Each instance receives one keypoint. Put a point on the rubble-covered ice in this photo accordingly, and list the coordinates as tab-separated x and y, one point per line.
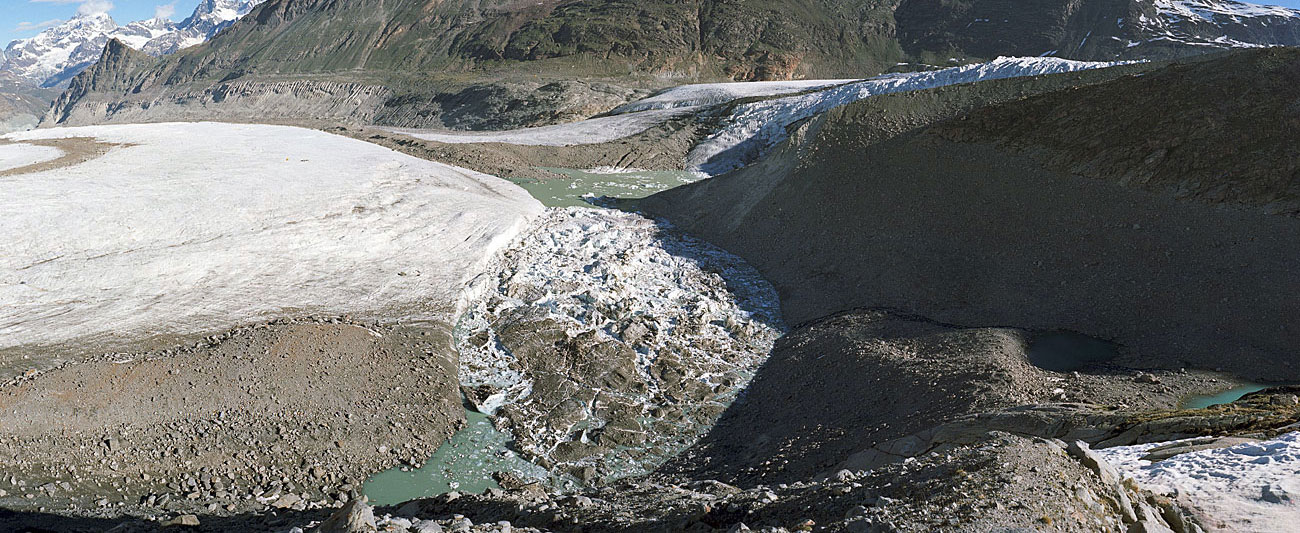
1248	487
608	342
753	128
189	228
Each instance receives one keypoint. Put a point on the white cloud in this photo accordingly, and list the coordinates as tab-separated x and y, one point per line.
164	11
87	7
94	7
24	27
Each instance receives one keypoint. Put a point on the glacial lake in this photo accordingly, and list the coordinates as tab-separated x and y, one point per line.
577	185
465	463
1065	351
1228	396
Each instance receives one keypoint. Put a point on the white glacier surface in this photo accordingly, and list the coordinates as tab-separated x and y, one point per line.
753	128
1248	487
19	155
188	228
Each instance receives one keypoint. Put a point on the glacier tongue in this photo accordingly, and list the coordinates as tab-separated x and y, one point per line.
751	129
189	228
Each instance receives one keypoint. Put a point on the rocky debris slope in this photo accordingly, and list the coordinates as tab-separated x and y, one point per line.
872	377
660	146
870	206
607	343
288	415
1241	152
1261	416
1005	482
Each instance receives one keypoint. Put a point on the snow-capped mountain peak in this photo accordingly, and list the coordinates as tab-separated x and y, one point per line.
57	54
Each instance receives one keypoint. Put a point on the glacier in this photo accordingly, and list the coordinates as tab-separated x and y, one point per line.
189	228
18	155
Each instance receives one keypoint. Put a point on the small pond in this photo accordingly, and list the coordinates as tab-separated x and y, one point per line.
570	192
1064	351
1228	396
464	463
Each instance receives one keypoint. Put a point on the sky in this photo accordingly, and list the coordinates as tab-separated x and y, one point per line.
20	19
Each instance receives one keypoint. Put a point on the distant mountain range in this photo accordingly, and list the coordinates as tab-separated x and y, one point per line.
55	55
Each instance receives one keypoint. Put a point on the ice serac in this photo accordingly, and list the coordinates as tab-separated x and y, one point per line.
168	234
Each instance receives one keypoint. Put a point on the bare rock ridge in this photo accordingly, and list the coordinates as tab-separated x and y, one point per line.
1035	231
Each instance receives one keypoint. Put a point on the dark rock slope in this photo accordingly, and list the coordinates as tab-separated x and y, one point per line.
1068	210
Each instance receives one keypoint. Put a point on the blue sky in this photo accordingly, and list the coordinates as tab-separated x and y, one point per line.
24	18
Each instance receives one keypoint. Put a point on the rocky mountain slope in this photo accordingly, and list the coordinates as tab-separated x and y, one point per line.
422	63
1033	214
21	106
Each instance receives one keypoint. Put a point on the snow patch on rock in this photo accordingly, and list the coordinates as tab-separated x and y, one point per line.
1247	487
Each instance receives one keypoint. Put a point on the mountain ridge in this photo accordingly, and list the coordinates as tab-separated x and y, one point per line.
419	61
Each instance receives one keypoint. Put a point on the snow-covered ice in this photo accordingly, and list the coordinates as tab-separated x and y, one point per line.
19	155
707	94
1251	487
590	131
187	228
754	128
